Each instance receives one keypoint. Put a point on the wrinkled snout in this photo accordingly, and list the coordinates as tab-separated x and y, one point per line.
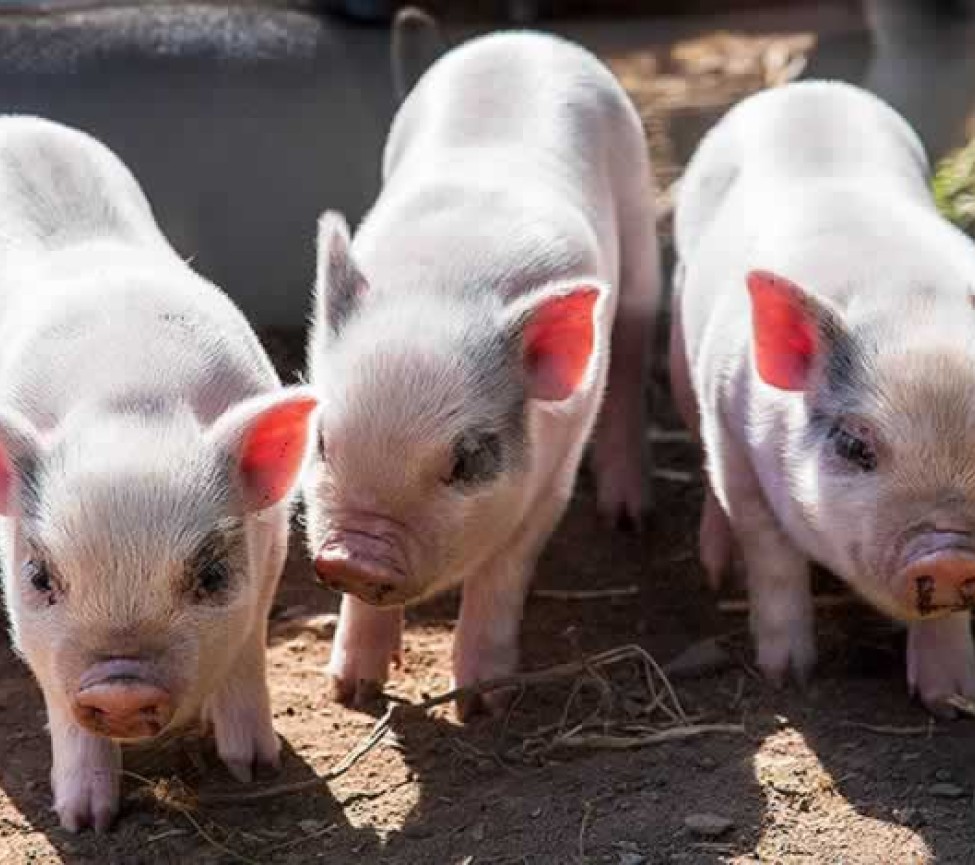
369	564
938	574
119	699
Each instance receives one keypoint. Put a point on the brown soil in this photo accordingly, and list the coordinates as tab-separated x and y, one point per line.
848	772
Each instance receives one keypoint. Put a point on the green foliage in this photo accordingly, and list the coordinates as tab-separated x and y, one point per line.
954	187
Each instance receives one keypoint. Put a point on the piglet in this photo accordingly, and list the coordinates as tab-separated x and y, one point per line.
823	345
462	345
147	453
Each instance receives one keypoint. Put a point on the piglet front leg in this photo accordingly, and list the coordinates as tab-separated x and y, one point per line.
941	661
778	574
240	712
367	641
486	640
86	772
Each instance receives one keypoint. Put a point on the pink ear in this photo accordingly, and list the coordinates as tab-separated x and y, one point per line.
559	335
21	448
272	449
785	330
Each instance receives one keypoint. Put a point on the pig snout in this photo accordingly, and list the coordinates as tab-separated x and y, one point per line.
120	699
937	575
368	563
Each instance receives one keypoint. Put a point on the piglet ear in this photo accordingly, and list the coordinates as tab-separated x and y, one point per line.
20	454
266	439
559	334
339	286
789	328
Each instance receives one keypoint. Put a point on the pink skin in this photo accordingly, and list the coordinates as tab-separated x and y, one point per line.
119	698
367	642
716	543
240	710
938	573
940	661
240	713
366	560
778	574
619	447
86	771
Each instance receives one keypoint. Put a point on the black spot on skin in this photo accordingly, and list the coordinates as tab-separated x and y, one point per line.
925	595
966	594
344	288
478	458
209	571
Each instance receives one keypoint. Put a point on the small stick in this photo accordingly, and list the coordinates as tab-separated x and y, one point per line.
627	743
821	602
885	730
294	842
962	704
674	476
585	594
669	436
587	810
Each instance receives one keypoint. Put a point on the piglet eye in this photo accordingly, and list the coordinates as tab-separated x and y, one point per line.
39	576
855	447
212	578
476	458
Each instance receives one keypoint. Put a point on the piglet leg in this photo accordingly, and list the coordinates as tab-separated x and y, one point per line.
367	641
778	574
86	772
620	449
941	661
240	712
486	639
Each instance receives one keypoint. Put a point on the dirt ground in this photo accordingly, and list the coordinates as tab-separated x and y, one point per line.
847	772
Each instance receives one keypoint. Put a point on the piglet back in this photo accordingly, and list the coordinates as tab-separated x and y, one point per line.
59	186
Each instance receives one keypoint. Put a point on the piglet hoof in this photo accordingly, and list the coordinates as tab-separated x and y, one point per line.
89	806
87	801
941	663
85	778
245	770
495	704
786	652
620	501
361	694
247	743
716	542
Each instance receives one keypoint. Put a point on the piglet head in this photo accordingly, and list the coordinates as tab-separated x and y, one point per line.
881	442
428	427
134	559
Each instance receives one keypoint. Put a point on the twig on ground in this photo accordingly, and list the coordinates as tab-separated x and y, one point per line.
213	842
586	594
675	476
963	705
669	436
885	730
606	742
295	842
820	602
586	812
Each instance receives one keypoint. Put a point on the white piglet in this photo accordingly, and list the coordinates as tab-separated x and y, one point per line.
824	345
147	452
462	345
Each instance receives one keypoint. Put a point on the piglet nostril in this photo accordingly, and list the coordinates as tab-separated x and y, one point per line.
940	582
123	709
